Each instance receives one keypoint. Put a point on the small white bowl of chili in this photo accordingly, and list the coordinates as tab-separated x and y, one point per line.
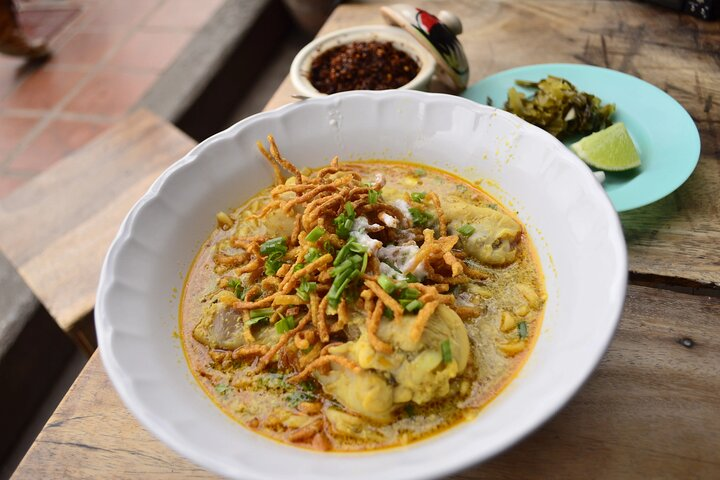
371	57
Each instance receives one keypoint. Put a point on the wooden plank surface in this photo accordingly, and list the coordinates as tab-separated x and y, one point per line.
676	237
57	228
649	411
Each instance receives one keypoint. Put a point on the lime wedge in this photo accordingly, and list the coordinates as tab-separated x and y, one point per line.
610	149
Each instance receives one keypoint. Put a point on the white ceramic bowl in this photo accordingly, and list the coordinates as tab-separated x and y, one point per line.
570	219
400	39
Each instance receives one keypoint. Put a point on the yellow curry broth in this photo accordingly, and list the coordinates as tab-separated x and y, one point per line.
270	402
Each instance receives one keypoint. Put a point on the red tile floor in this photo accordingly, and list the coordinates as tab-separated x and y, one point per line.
107	53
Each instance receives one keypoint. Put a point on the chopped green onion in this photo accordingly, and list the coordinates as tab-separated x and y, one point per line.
352	275
259	314
277	244
237	287
273	262
350	263
315	234
305	288
386	284
271	268
356	247
373	196
344	268
418	196
466	230
420	217
340	229
299	266
522	330
334	293
312	255
388	313
334	301
410	294
344	221
446	351
339	284
346	265
414	306
420	172
275	250
350	246
285	324
410	278
342	254
343	226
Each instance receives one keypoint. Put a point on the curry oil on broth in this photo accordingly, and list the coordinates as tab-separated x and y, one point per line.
499	370
511	296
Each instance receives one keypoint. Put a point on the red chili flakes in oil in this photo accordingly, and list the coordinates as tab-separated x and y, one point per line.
362	66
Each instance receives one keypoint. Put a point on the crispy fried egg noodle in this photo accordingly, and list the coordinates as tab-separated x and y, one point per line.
349	308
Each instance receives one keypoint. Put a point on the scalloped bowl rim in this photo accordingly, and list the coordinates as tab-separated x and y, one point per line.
421	465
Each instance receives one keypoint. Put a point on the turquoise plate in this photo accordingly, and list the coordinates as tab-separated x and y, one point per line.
665	134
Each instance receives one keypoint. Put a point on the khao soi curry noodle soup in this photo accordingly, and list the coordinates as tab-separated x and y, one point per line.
361	305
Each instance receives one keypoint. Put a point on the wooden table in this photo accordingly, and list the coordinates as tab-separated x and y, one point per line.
57	228
651	410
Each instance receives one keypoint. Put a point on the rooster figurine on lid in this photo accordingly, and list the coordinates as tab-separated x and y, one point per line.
438	35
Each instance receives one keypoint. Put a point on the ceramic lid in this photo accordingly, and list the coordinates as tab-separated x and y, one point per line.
438	35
